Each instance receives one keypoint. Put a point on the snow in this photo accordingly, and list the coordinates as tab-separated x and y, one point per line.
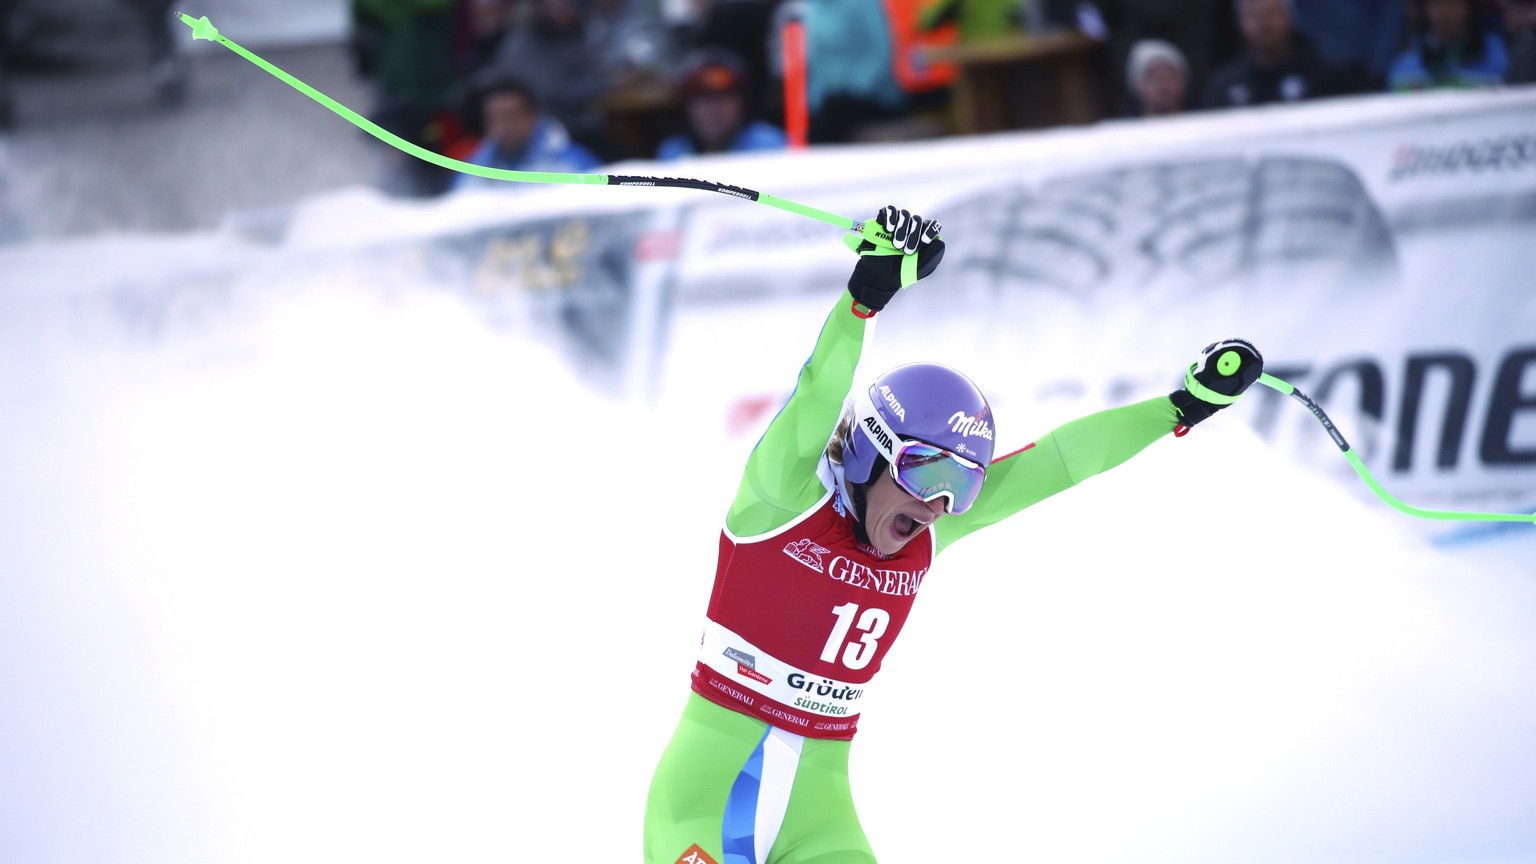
337	576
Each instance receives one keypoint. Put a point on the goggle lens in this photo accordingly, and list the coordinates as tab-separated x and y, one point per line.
926	472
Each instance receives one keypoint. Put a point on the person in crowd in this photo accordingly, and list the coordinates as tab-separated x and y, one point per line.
1519	19
633	40
1453	46
1279	63
519	136
1366	35
405	49
716	92
843	507
482	25
1157	79
554	53
849	90
746	29
977	19
1187	25
1520	32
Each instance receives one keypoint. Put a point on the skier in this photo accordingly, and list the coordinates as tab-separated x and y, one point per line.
823	552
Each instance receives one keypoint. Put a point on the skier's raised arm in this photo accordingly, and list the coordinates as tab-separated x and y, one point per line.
780	479
1081	448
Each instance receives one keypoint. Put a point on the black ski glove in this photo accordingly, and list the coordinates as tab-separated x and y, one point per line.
1217	377
895	249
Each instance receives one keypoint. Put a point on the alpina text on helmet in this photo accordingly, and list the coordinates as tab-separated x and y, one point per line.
876	431
893	402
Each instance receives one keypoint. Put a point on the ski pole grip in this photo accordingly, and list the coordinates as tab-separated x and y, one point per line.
1274	383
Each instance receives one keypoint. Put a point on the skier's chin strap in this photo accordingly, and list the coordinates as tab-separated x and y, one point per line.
856	504
854	494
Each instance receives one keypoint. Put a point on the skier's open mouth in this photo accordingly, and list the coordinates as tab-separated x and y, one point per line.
906	526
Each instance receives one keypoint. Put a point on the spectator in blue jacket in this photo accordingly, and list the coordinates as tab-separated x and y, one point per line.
719	116
557	50
1363	34
519	136
1453	46
851	85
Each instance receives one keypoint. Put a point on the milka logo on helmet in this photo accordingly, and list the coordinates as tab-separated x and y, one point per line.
807	553
964	424
892	402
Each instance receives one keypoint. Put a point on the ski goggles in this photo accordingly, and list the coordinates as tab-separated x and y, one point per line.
925	471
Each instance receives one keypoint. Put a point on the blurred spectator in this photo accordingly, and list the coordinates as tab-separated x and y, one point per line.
1187	25
1520	30
849	90
979	19
482	25
554	54
519	136
1363	34
405	47
913	34
1519	19
1279	63
1452	46
1157	78
714	87
744	28
632	39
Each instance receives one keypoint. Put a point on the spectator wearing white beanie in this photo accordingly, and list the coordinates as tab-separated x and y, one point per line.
1157	79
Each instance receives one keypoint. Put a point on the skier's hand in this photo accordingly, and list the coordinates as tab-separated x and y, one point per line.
896	248
1217	377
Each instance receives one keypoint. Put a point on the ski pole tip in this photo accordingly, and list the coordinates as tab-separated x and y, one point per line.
202	28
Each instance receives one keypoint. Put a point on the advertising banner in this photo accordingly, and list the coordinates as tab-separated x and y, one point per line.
1378	250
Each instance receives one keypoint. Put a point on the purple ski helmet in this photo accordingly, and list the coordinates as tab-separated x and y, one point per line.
928	403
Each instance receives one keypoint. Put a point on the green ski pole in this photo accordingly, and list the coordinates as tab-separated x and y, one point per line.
202	28
1360	469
